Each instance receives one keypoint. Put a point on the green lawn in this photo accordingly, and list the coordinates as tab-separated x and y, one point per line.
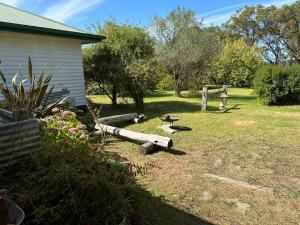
255	143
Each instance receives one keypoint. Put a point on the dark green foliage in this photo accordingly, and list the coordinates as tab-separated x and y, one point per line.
71	182
167	82
92	88
278	85
123	64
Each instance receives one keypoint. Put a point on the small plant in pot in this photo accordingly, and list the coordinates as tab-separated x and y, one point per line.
30	103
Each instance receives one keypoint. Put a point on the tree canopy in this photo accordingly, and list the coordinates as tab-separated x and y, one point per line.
275	30
236	64
120	64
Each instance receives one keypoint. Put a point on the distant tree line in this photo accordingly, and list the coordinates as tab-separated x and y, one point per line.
181	54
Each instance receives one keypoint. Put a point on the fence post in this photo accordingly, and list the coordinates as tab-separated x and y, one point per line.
204	99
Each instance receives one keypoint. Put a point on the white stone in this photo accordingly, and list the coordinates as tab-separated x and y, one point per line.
207	196
218	162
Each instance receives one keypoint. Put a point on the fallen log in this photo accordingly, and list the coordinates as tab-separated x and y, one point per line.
240	183
148	148
118	118
164	142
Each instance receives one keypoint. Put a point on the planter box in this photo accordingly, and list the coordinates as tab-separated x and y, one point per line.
6	113
18	140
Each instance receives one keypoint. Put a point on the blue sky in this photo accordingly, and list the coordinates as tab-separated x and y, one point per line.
80	13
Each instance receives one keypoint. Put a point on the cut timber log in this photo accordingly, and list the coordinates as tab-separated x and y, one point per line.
147	148
240	183
164	142
118	118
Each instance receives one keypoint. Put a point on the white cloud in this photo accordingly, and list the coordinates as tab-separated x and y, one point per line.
68	8
217	19
224	9
11	2
279	3
221	15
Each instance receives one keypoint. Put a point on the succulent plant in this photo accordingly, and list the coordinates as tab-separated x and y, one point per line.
32	102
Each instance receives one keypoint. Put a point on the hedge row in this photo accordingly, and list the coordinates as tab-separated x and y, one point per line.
278	85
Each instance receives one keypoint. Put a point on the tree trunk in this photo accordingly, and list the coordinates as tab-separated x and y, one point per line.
139	102
177	92
114	95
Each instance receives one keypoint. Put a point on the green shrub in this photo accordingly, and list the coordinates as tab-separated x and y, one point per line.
72	181
166	84
278	85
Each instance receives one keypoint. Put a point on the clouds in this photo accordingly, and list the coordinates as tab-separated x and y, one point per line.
221	15
65	10
11	2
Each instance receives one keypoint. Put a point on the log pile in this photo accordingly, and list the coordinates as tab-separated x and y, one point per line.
150	142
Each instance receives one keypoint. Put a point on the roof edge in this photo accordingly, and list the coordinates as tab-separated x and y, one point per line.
20	28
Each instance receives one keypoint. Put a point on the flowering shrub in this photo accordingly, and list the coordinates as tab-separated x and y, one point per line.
65	124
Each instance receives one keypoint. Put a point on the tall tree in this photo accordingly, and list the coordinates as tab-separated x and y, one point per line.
289	29
184	48
103	66
275	30
121	61
174	24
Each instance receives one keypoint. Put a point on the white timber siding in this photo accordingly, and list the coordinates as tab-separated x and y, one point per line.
61	56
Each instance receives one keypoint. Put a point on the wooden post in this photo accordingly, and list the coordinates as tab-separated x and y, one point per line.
204	98
225	89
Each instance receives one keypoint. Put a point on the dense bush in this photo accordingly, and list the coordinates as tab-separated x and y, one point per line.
277	85
71	181
166	83
236	65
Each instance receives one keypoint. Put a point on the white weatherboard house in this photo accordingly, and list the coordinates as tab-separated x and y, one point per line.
24	34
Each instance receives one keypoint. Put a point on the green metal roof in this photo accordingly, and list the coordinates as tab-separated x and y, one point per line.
16	20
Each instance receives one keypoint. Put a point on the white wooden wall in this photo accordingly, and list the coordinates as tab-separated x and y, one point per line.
62	56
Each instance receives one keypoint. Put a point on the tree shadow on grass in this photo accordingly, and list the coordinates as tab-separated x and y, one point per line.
152	109
156	210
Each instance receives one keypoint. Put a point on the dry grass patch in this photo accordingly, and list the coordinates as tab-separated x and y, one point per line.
245	123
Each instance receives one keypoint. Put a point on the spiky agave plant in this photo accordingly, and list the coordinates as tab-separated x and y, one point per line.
31	103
